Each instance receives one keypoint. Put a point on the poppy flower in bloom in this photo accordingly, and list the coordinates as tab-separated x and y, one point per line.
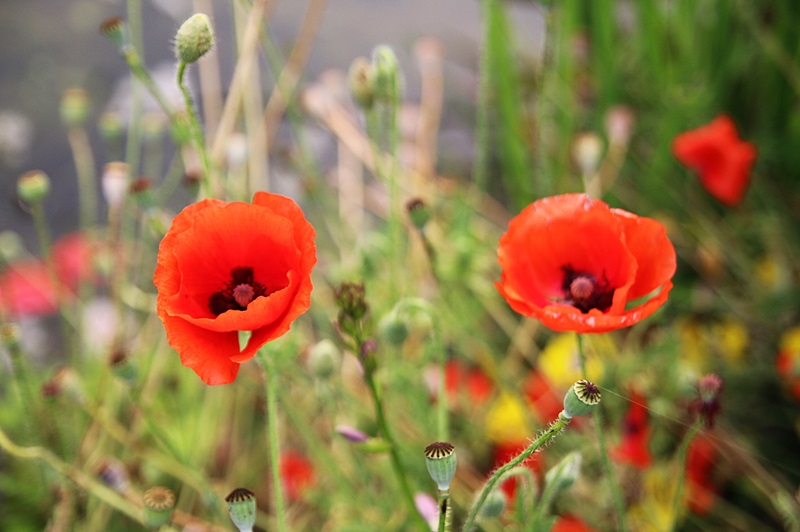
297	474
577	265
701	492
635	446
569	523
229	267
788	360
722	159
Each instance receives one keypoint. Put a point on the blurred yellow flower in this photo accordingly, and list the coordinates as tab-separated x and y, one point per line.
726	338
560	363
653	512
507	420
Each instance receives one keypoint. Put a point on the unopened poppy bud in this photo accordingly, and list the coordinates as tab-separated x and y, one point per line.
33	187
115	30
707	406
115	183
142	191
111	126
351	434
366	354
194	39
386	72
565	473
351	299
360	79
393	329
242	508
493	505
158	505
324	358
587	149
418	213
440	459
581	398
122	366
74	107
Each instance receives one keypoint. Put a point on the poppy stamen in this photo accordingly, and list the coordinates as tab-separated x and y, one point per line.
238	292
581	288
585	292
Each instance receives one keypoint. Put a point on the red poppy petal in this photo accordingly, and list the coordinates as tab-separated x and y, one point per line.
26	289
572	231
206	352
655	256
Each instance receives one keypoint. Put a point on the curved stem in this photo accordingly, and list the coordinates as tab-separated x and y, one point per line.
613	486
553	430
196	129
273	440
682	452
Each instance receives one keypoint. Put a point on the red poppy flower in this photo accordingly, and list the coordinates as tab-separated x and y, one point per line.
230	267
297	474
722	159
577	265
635	446
568	523
478	387
701	493
26	288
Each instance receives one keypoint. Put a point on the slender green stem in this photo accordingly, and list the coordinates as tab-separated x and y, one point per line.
613	486
553	430
677	501
196	128
272	438
445	512
397	464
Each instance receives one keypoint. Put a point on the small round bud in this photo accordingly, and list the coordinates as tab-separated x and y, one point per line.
33	187
565	473
122	366
111	126
242	508
115	183
440	459
324	359
393	329
158	505
587	149
494	504
74	107
194	39
386	72
418	213
115	30
360	80
141	189
581	398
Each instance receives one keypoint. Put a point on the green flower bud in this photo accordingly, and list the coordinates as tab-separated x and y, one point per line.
360	80
74	107
115	30
418	212
158	505
581	398
111	126
386	85
324	359
242	508
565	473
194	39
493	505
440	459
33	187
393	329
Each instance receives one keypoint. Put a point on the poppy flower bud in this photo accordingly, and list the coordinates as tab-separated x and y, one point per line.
142	191
393	329
494	504
324	358
581	398
366	354
74	107
115	30
115	183
707	405
158	505
33	187
418	212
242	508
122	366
194	39
565	473
360	80
110	126
386	84
350	297
440	459
587	150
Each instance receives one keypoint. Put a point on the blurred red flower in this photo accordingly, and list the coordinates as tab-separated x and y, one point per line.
471	381
788	360
25	285
577	265
722	159
297	474
701	493
230	267
568	523
634	449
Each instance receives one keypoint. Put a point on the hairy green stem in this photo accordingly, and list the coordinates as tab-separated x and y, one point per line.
445	512
273	439
553	430
613	486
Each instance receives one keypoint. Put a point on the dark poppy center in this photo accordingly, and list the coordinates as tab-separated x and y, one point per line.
237	292
584	291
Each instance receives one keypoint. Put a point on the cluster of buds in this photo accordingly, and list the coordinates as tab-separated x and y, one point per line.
377	80
354	322
707	406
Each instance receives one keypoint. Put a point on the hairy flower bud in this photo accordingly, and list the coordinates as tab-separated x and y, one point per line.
33	187
360	79
194	39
